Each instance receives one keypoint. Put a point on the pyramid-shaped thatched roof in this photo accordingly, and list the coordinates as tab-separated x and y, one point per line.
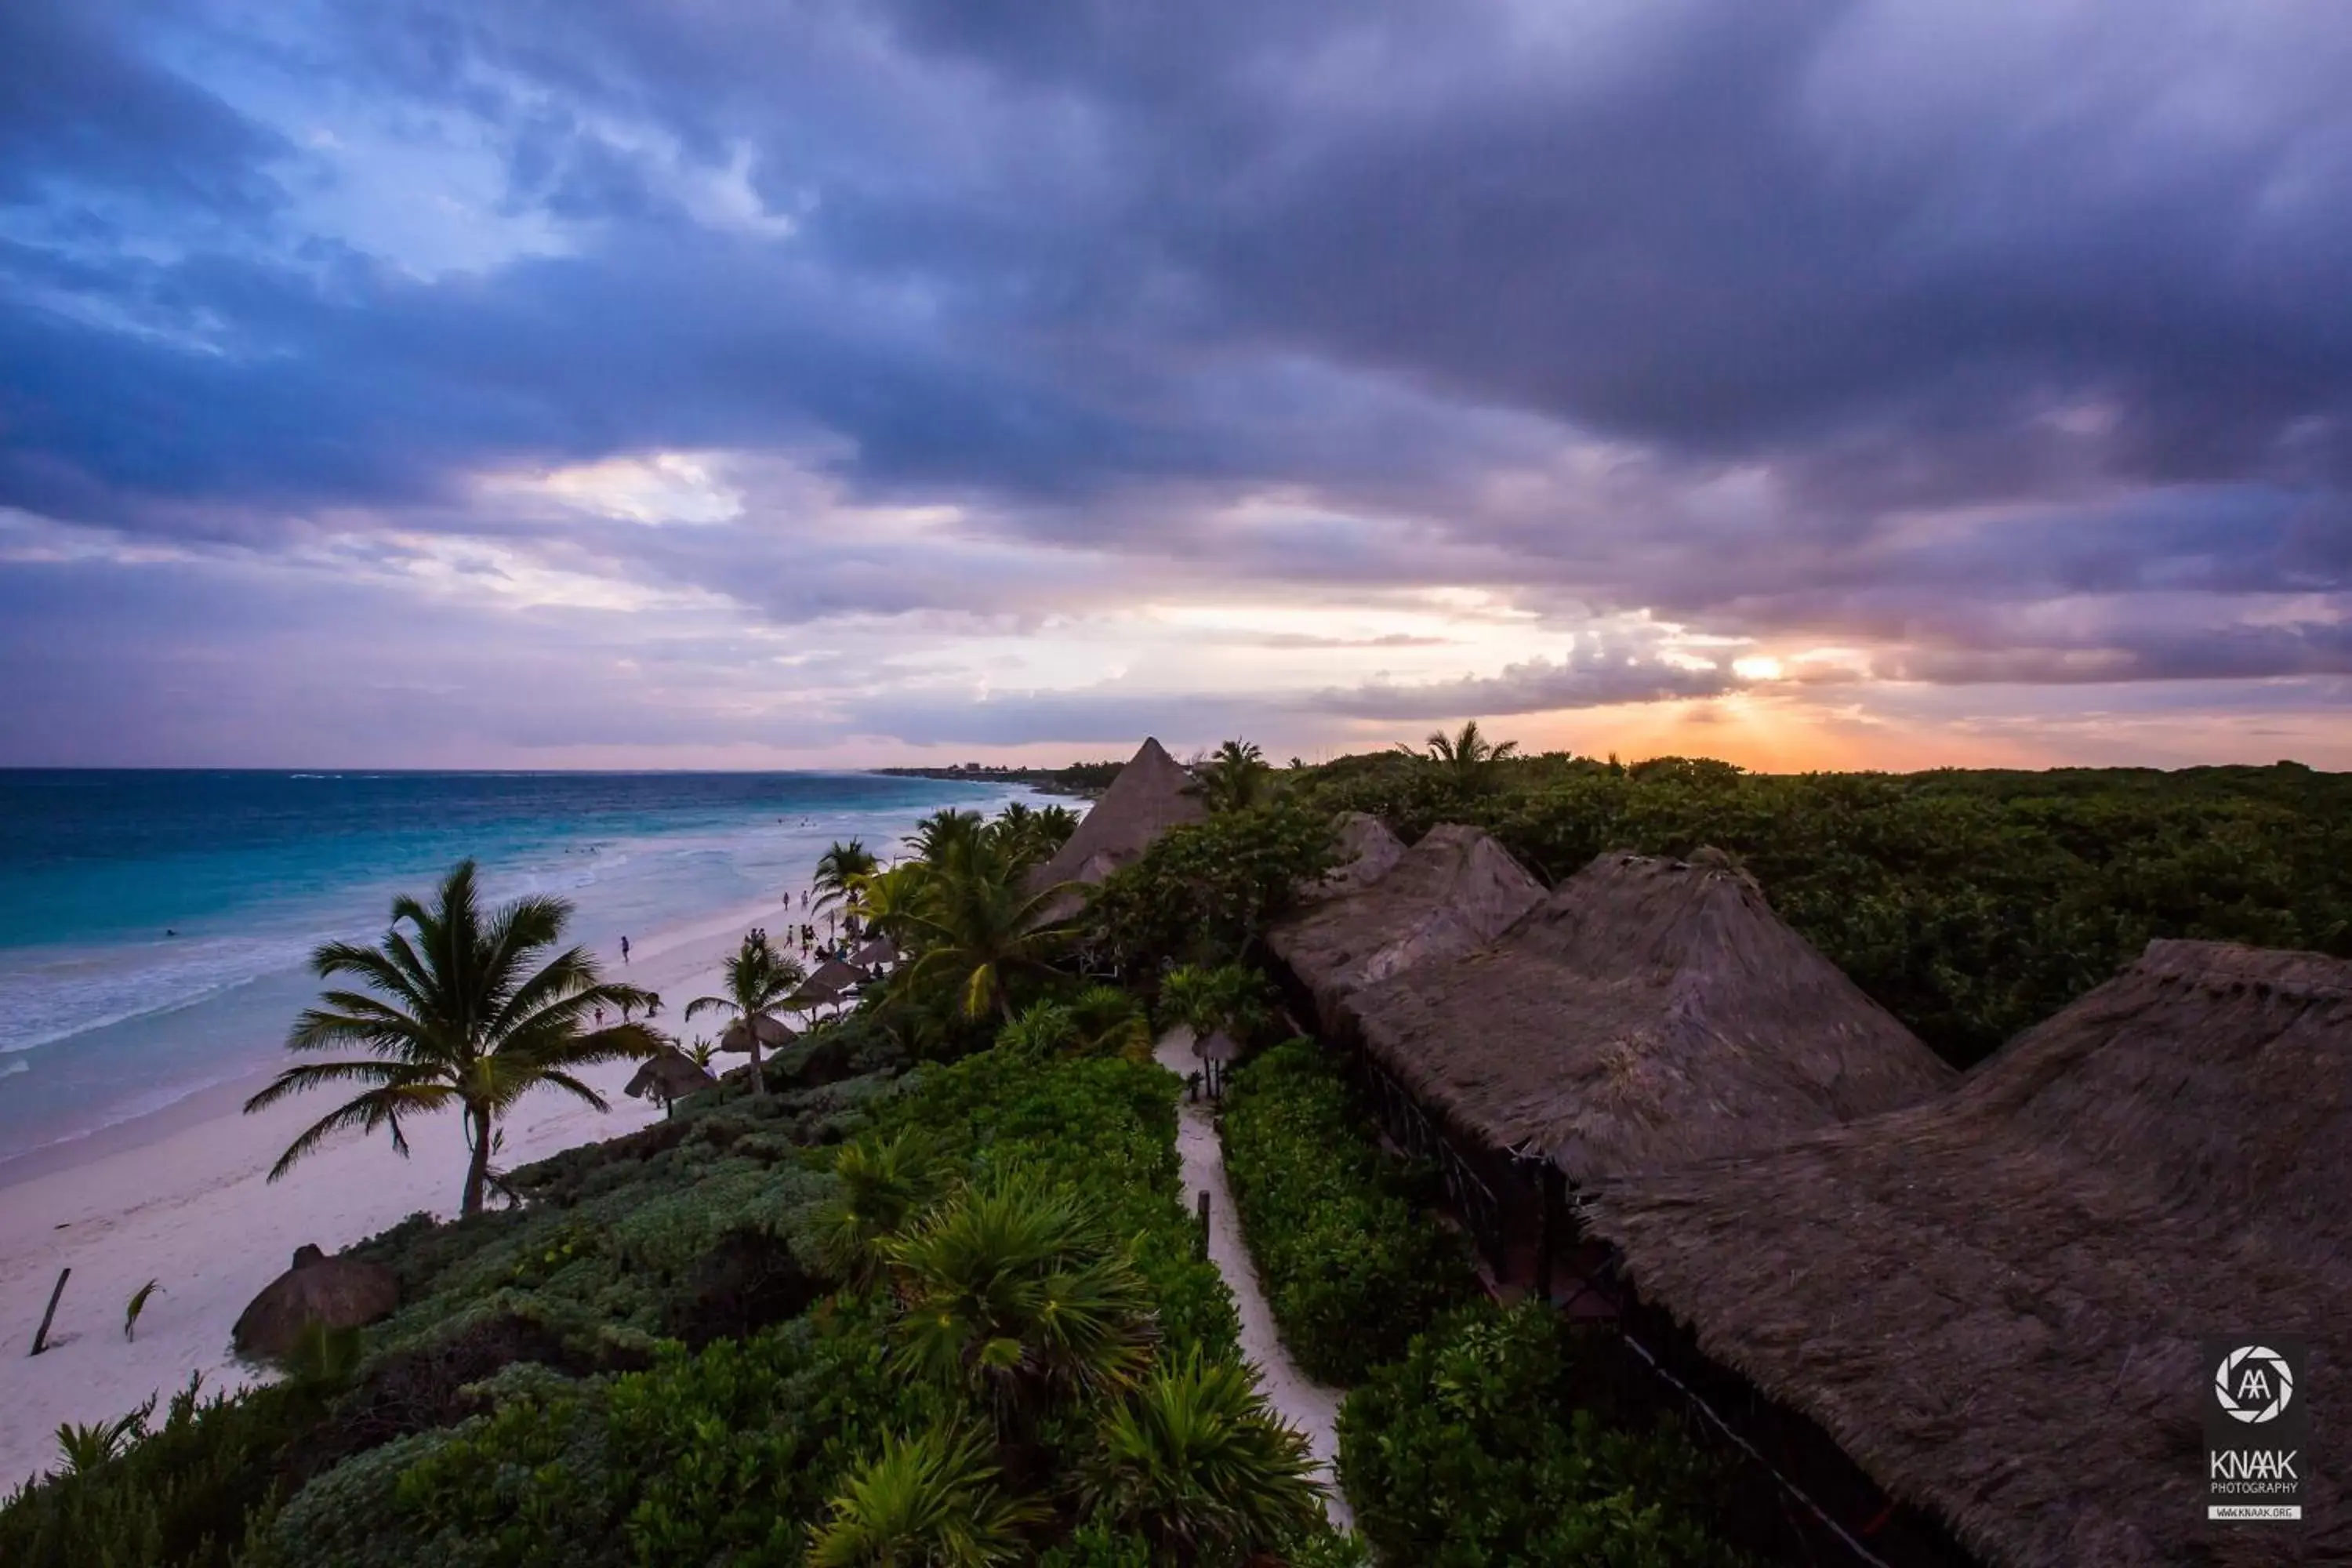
1649	1012
1151	794
1455	889
1366	851
1993	1301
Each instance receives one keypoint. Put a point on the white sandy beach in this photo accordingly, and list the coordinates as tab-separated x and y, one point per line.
193	1209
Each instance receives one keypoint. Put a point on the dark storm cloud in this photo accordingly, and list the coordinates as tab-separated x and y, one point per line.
1781	319
79	103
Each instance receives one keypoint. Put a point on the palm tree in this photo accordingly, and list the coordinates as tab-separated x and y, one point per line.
1235	778
466	1013
837	871
978	930
1198	1463
1467	757
884	900
1110	1023
945	835
1012	1291
928	1501
758	981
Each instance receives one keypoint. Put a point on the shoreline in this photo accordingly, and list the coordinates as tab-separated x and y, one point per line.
181	1196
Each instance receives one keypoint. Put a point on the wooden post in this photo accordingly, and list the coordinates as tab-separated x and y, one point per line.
1547	1235
1204	1222
41	1340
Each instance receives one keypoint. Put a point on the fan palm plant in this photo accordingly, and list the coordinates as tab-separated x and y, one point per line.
1197	1462
931	1500
760	980
469	1010
1012	1292
884	1183
1231	997
838	870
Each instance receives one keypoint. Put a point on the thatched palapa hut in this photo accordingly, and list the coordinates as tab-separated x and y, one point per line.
328	1292
1993	1301
1455	890
772	1033
1151	794
1367	851
1649	1012
670	1075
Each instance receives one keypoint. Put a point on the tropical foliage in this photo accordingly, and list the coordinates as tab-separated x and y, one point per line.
1236	778
838	871
1467	759
1352	1269
1484	1446
760	982
1202	894
464	1009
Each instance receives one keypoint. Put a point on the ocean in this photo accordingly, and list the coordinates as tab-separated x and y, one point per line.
154	925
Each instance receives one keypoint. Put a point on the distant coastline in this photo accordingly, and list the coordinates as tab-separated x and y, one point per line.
1085	780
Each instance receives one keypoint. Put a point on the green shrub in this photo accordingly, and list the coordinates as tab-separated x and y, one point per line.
1351	1269
184	1493
1202	894
1474	1449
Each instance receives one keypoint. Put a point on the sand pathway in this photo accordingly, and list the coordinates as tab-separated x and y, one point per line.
1304	1403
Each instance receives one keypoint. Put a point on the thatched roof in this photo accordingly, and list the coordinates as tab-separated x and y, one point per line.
1993	1301
668	1074
1367	852
1151	794
773	1032
833	977
1649	1012
1455	889
336	1292
877	950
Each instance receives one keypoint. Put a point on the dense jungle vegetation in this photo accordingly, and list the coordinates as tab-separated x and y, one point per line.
919	1287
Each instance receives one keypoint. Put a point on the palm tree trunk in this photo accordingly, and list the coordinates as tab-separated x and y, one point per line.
759	1076
478	1165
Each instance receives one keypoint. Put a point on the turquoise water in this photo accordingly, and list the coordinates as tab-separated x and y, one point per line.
154	924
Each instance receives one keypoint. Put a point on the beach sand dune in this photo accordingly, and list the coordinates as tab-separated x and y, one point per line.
193	1209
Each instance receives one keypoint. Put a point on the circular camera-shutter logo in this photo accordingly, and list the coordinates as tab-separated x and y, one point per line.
2254	1384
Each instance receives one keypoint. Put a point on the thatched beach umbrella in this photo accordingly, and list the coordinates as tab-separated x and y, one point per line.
1993	1300
878	951
668	1075
1151	794
1455	890
771	1032
835	977
332	1292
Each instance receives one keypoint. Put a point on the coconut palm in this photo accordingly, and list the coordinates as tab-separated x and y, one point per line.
1468	757
944	835
1198	1463
885	900
837	871
931	1500
1014	1291
1235	778
978	930
760	980
469	1010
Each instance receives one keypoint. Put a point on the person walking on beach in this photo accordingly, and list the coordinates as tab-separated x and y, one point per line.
625	950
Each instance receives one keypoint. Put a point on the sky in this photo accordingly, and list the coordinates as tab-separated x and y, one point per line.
762	383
